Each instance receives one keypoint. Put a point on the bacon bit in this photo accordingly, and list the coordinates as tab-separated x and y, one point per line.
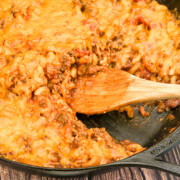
143	112
149	45
91	25
81	53
69	129
161	25
153	26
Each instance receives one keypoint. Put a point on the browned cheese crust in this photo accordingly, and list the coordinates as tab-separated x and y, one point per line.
46	45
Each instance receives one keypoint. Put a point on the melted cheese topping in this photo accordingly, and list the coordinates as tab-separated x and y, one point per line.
46	45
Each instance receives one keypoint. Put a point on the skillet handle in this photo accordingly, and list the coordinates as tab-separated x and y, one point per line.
151	157
154	163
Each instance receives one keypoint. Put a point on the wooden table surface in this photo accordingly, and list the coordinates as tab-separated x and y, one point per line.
125	173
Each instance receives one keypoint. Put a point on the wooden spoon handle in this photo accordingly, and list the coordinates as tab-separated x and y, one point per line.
138	90
144	90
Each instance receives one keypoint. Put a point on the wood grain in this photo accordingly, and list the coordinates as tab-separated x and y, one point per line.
125	173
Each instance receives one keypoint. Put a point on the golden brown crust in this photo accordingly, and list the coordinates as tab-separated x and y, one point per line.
45	45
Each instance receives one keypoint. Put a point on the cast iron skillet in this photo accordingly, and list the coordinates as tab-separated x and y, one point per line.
152	132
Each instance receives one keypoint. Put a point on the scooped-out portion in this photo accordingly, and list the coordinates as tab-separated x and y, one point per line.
46	45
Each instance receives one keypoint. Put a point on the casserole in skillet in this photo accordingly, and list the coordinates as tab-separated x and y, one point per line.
46	45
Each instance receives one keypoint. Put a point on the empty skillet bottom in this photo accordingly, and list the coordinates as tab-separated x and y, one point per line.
146	131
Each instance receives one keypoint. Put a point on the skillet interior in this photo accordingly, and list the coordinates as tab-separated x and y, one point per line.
146	131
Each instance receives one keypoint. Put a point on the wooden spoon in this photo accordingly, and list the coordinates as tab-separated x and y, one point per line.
111	89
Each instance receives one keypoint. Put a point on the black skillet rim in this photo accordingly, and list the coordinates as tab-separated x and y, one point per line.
153	152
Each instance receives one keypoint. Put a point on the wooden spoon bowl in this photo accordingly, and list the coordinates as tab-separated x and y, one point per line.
111	89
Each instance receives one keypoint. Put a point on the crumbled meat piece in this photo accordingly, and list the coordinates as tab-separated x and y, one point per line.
144	73
171	117
161	106
143	112
129	110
